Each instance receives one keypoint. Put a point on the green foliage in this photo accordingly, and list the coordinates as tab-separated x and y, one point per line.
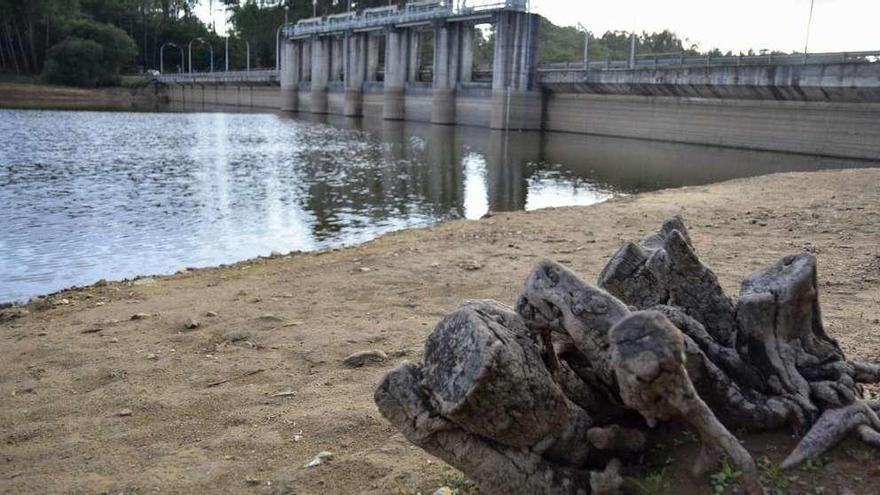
655	483
75	62
459	483
724	479
119	49
773	478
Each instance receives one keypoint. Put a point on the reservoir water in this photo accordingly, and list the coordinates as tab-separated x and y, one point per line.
92	195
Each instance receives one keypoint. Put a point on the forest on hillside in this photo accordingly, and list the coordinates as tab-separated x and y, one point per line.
93	42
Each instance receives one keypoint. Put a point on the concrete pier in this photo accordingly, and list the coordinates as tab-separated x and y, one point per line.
355	74
290	76
395	75
321	48
517	104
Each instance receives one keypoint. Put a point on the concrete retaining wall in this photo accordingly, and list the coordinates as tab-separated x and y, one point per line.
832	129
840	129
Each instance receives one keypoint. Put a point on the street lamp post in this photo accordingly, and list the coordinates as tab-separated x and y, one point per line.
248	55
586	46
210	49
162	55
809	24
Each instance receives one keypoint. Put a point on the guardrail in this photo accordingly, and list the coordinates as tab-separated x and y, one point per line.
253	76
648	61
413	12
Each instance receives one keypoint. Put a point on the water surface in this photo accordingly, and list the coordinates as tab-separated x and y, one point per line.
91	195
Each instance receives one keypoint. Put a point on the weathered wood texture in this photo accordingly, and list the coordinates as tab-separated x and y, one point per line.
547	398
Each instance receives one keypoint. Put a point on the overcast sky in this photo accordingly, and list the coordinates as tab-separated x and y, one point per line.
736	25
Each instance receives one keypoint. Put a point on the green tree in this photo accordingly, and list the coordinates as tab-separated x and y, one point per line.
75	62
119	50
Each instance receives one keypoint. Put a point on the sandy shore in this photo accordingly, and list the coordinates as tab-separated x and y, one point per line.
37	96
95	401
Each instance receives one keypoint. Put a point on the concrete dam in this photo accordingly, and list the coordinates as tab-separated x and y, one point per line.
370	64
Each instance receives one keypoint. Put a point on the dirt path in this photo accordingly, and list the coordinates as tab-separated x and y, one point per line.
77	364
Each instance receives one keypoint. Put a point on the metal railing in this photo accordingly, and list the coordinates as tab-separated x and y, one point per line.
648	61
252	76
413	12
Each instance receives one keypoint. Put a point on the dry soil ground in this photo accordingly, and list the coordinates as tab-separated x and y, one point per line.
95	401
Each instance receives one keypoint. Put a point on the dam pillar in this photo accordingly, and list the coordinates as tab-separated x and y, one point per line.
337	57
290	76
446	63
517	104
395	75
320	73
414	48
466	66
355	74
372	57
306	62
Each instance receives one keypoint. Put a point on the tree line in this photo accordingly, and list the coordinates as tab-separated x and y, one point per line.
92	42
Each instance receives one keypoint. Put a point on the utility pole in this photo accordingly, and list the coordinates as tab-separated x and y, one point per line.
809	24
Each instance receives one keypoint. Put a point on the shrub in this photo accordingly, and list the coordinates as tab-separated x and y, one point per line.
119	49
75	62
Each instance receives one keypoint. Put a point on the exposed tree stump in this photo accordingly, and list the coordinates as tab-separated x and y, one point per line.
548	398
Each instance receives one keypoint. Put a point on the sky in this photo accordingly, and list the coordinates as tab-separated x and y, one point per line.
735	25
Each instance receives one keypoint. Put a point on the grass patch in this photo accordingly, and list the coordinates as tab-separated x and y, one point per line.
724	479
460	484
20	79
655	483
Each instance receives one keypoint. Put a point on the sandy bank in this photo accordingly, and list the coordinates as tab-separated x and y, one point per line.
35	96
74	363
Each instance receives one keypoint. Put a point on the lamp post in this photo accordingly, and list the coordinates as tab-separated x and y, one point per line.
278	40
248	55
162	55
586	46
210	49
809	24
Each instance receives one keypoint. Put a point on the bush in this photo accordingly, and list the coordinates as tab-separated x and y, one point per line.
75	62
119	49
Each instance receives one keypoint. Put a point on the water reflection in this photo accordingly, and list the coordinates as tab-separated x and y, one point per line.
90	195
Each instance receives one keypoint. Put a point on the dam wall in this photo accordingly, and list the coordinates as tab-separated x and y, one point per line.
824	128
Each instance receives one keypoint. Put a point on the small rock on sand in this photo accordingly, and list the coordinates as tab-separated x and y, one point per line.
361	358
443	490
192	323
319	459
140	316
470	265
123	413
211	314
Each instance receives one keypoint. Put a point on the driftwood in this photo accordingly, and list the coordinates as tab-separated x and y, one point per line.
550	396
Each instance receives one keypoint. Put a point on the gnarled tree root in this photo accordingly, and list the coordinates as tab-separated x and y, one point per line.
545	399
832	427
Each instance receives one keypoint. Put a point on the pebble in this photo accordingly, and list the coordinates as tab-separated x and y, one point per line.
319	459
470	265
192	323
140	316
123	413
211	314
443	490
361	358
152	357
364	269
